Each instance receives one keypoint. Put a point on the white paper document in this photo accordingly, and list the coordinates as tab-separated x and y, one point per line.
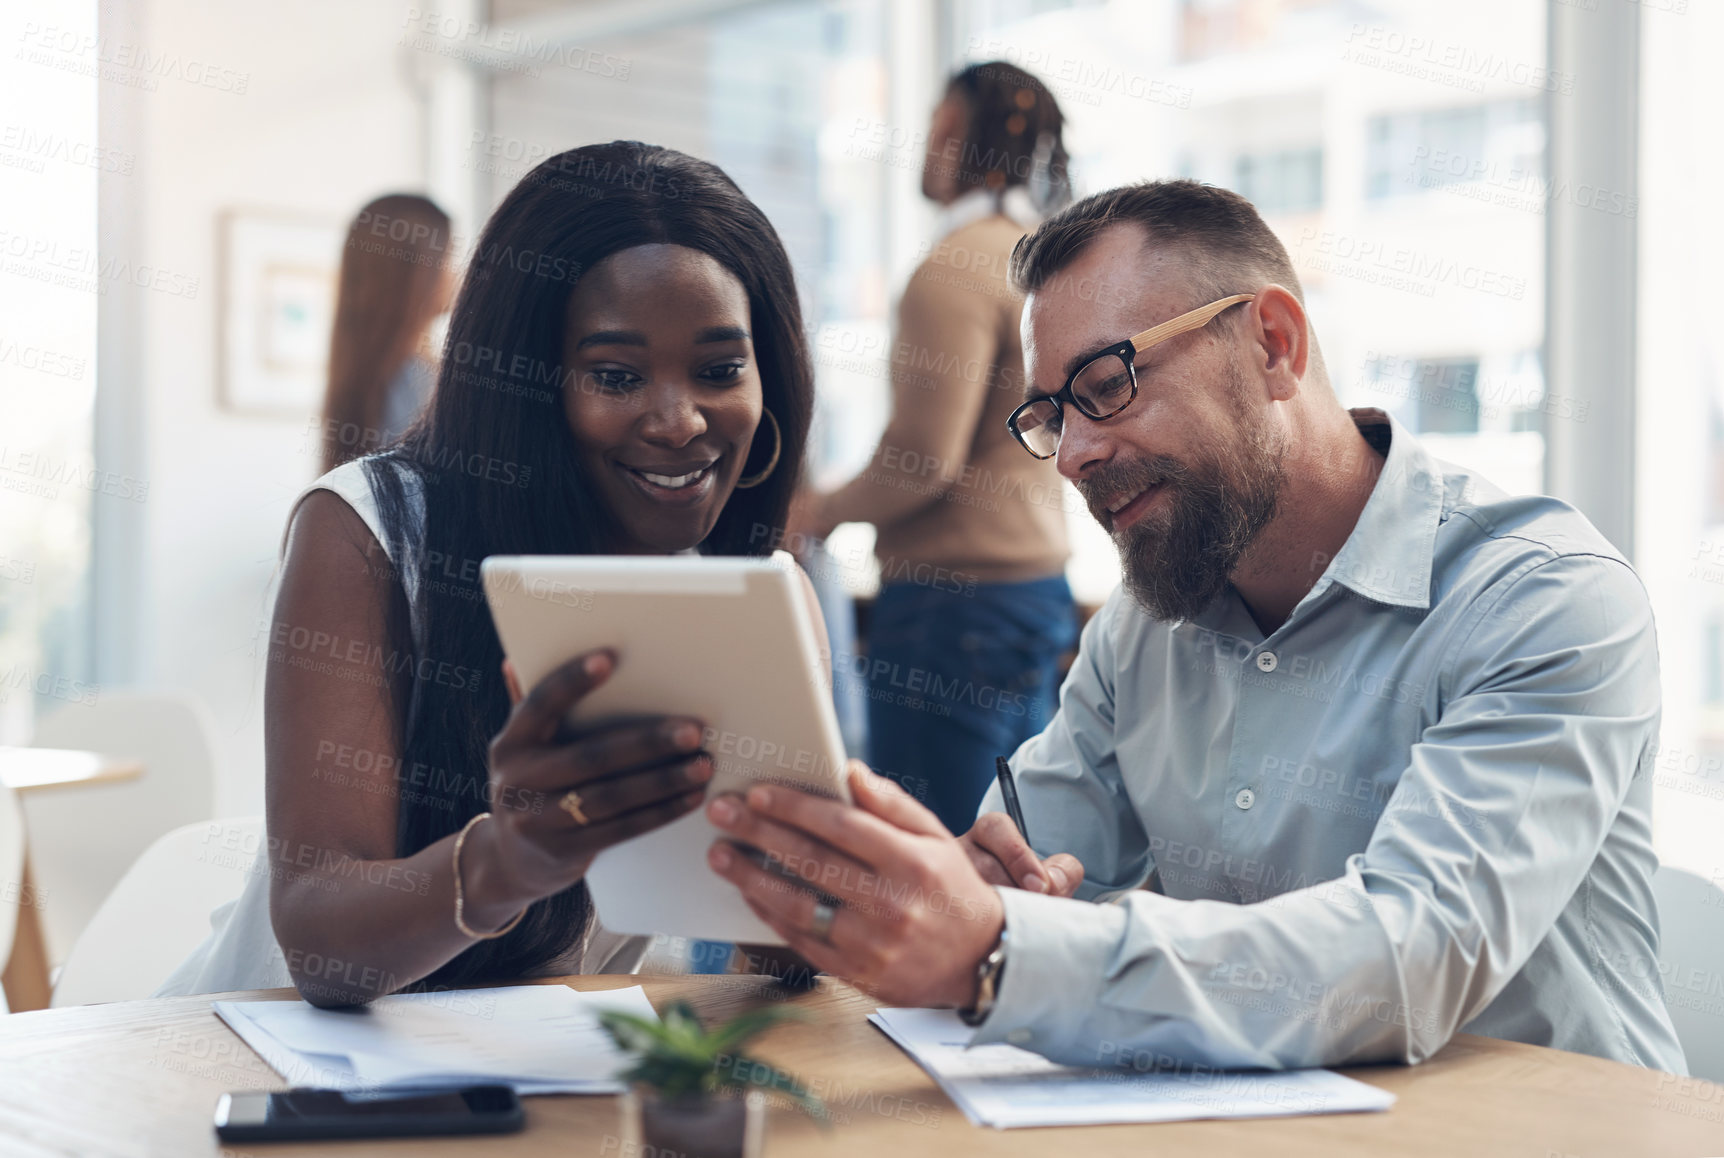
1004	1086
540	1039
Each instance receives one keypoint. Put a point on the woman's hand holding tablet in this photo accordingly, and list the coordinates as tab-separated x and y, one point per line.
626	778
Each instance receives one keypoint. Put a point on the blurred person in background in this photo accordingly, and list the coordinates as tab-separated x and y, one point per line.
396	278
974	613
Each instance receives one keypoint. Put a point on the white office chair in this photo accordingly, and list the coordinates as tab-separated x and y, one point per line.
159	912
83	841
12	898
1691	922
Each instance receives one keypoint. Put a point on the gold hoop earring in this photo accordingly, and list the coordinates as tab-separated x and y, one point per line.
761	475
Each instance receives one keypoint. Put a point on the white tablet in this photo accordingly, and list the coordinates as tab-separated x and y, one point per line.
726	640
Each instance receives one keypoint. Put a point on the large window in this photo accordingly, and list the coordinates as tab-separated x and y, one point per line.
51	278
1285	181
1495	151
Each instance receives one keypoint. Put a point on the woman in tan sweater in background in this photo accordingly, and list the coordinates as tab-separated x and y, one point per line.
973	611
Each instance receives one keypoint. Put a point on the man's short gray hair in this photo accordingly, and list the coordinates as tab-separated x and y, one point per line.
1232	249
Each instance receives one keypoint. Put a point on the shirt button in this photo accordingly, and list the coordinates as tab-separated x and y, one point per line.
1266	661
1245	798
1019	1036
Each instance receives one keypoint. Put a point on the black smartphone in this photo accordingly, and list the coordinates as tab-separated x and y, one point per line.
255	1116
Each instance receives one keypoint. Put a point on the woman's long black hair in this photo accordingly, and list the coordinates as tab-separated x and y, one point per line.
496	462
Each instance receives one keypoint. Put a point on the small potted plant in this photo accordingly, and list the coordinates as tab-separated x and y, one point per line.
691	1083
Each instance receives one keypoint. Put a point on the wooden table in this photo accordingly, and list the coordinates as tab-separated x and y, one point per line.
27	771
140	1078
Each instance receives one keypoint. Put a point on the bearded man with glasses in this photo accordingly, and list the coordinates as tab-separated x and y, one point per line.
1359	757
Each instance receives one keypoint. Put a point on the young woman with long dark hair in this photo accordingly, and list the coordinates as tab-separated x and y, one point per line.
625	372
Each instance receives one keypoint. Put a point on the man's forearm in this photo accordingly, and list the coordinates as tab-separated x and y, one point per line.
1146	982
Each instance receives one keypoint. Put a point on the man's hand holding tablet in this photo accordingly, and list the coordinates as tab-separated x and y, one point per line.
916	913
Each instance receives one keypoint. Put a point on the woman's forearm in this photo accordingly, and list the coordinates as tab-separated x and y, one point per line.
353	930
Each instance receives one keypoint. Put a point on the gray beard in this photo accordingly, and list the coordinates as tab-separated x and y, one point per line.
1178	559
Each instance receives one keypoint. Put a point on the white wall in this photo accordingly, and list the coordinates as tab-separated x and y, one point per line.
327	121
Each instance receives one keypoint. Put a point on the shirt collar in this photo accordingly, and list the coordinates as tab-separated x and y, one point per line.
979	204
1387	557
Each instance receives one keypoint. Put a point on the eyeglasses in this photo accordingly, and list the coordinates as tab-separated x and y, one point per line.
1104	385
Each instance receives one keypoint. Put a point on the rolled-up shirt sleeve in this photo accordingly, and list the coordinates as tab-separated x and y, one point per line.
1551	708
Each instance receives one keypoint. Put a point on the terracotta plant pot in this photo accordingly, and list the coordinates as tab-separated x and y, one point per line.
715	1126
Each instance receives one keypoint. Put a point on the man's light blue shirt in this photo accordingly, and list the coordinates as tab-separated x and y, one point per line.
1419	806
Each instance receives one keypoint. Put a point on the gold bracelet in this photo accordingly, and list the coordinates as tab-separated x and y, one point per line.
460	901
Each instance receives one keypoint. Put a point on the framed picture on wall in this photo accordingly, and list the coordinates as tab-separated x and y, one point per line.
277	302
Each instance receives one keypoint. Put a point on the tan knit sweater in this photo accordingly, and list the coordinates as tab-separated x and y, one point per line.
948	487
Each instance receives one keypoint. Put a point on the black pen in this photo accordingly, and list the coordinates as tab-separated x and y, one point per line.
1009	793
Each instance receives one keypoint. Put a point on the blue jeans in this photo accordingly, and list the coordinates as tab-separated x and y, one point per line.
956	678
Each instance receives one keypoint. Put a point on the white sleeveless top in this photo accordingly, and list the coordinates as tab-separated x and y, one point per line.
241	951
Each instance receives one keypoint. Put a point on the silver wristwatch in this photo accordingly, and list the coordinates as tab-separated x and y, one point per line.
988	974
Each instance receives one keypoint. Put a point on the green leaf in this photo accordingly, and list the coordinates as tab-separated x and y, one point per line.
631	1033
678	1057
760	1075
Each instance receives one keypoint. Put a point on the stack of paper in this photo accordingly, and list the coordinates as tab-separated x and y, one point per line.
540	1039
1004	1086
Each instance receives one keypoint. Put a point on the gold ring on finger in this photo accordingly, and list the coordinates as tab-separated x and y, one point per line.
570	802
